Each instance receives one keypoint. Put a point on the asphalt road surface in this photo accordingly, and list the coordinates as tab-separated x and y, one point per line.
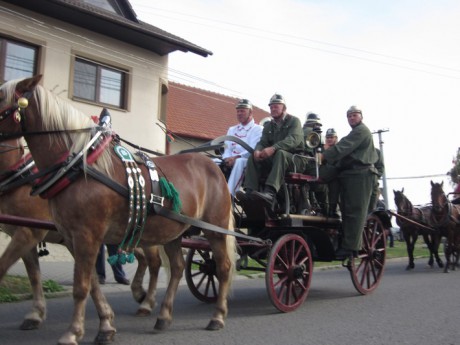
419	307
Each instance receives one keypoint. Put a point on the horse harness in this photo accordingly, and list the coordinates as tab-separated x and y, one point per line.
63	173
446	218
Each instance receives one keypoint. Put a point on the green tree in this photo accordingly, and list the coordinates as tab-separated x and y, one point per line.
454	173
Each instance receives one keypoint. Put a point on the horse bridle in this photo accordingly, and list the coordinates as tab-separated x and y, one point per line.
21	101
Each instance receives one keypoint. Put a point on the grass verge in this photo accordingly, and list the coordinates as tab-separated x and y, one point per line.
15	288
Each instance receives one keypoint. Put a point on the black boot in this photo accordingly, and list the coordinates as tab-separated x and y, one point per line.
268	195
242	197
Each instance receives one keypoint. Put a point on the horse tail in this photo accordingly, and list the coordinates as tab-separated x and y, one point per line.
165	262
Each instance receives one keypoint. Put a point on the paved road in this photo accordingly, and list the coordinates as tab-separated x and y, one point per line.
419	307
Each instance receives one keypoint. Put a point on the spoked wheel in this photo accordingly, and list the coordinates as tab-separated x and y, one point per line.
200	274
367	269
288	273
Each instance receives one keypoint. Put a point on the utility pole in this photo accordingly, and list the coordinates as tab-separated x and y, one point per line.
384	176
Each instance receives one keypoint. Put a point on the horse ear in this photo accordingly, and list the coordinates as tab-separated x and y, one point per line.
29	84
431	183
402	190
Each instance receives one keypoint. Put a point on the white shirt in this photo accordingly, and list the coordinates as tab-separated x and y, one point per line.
250	134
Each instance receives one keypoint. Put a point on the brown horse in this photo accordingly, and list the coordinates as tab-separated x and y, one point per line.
24	241
411	231
88	212
16	201
446	217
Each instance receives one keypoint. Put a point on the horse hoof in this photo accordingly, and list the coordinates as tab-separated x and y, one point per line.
141	312
162	324
408	268
28	325
215	325
104	338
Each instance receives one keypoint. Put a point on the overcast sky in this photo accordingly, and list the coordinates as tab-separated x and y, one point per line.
399	60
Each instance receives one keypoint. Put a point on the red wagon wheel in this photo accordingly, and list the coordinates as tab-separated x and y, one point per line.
288	272
200	274
367	269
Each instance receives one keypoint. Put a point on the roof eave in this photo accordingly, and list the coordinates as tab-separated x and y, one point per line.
136	33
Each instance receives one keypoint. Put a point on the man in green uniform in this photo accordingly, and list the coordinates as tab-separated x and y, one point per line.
354	155
281	137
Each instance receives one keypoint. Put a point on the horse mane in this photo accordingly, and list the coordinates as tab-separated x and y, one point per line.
59	114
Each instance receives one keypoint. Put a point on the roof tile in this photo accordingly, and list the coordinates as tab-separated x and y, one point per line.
201	114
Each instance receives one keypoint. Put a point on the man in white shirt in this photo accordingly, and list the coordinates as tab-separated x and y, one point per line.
235	157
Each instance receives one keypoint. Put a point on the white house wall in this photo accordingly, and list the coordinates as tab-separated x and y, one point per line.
61	41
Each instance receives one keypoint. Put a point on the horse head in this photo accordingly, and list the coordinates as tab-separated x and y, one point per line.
438	197
403	204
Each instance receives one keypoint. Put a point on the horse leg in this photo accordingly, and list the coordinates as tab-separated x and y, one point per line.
148	257
410	243
137	290
177	264
37	315
85	279
429	244
223	250
448	251
106	331
23	244
436	240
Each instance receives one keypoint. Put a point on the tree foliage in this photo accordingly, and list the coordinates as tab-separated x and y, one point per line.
454	173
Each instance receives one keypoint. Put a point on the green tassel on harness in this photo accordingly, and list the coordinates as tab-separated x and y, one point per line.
120	258
113	259
169	192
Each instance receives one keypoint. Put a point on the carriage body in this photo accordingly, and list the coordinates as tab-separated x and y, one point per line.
294	236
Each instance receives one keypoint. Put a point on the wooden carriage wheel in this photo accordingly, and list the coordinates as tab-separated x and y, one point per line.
200	274
367	269
288	273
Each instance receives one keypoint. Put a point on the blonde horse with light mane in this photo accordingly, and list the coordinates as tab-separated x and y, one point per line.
88	212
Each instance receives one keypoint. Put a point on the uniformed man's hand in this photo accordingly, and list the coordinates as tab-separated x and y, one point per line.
267	152
257	154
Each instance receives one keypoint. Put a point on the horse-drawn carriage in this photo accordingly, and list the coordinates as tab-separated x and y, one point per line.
79	168
285	241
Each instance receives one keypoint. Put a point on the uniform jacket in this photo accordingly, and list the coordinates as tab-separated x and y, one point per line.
287	137
354	149
250	134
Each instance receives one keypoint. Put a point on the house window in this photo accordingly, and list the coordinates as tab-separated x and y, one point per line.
99	83
17	59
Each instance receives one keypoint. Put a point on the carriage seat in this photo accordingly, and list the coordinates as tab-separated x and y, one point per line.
299	178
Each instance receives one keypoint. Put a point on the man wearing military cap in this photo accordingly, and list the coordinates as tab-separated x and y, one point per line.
331	138
281	137
354	155
235	156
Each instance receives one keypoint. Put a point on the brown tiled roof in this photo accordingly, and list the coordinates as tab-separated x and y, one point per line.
201	114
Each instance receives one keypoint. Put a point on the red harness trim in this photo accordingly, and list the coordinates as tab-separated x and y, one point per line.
22	161
65	181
